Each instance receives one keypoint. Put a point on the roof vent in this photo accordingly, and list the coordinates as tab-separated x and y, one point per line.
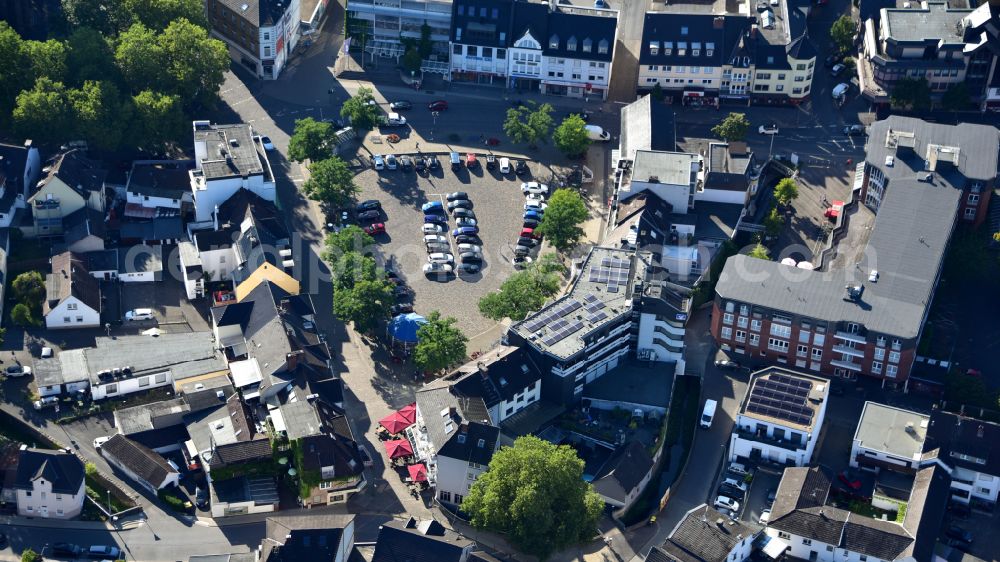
234	142
909	427
654	179
220	395
855	292
979	432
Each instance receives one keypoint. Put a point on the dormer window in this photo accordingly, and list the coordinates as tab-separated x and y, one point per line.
695	49
503	38
681	49
709	49
571	44
554	42
684	31
654	47
602	47
588	45
668	48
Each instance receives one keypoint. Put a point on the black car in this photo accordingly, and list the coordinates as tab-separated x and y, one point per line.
400	105
470	256
521	168
521	251
435	247
458	196
959	534
201	497
419	164
462	213
727	364
400	291
530	223
404	308
731	492
468	239
369	205
468	267
66	549
460	204
526	241
433	163
491	162
407	163
854	130
370	216
771	495
832	60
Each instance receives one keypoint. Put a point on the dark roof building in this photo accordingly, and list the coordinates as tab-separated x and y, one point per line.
469	25
420	541
140	463
63	470
319	538
622	478
501	378
69	280
966	443
705	535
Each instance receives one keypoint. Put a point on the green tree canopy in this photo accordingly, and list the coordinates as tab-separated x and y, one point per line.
13	77
331	182
194	61
140	59
29	555
733	128
842	33
658	93
760	252
351	238
956	97
29	288
21	315
425	47
42	113
48	59
361	110
440	344
562	219
786	191
360	293
159	118
521	293
310	141
90	56
157	14
535	494
961	388
411	61
99	114
540	121
571	136
106	16
911	93
515	125
773	222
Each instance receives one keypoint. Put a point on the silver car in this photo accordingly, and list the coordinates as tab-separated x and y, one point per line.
441	257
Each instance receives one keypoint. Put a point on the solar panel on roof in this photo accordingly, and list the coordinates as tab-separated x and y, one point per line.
606	262
597	317
612	288
591	298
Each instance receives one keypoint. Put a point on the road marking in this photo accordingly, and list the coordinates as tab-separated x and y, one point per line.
251	98
298	180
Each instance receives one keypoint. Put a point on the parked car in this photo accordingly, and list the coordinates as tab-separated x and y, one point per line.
535	205
521	262
837	69
505	165
438	105
529	187
534	197
738	484
65	549
470	248
521	168
432	207
266	142
465	230
375	228
854	130
436	219
765	516
436	268
957	544
832	60
438	247
738	469
772	494
440	257
529	233
728	503
530	223
379	161
470	161
533	214
491	162
955	532
46	352
391	163
601	4
101	441
727	364
435	239
407	163
850	479
769	129
369	216
138	314
468	239
17	371
400	105
469	267
470	256
460	204
463	213
465	221
402	308
395	120
527	241
420	164
431	228
456	161
457	196
45	402
103	552
201	497
369	205
521	251
433	163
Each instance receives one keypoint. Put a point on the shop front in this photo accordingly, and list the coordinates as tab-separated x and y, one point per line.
700	98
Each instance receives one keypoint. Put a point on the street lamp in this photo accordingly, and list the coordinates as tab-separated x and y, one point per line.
434	116
109	501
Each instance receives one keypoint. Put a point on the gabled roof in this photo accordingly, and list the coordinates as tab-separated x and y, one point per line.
63	470
530	18
963	442
458	426
70	278
418	541
485	23
139	459
304	538
83	223
669	30
498	375
597	31
646	126
704	535
623	472
167	179
80	173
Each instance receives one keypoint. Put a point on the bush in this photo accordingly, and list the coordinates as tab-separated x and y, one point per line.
175	503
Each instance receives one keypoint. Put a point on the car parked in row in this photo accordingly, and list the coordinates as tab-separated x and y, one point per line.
460	204
434	268
436	219
457	196
391	163
434	207
530	187
431	228
727	503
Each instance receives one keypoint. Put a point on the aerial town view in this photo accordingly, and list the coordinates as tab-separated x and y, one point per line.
500	280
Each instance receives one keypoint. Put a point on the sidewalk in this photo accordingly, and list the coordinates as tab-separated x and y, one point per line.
17	521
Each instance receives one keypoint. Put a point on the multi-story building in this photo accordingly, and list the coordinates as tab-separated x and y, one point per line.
71	181
554	49
921	179
764	55
260	34
385	23
20	168
227	158
931	41
506	379
780	417
49	484
889	438
809	527
72	296
705	535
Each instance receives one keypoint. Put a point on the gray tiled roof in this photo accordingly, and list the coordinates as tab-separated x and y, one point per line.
157	178
458	436
63	470
70	277
139	459
418	541
704	535
624	472
646	126
498	375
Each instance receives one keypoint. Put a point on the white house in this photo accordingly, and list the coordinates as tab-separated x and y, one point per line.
707	535
260	34
49	484
227	158
140	463
72	296
780	418
624	476
141	263
889	438
455	438
506	379
153	185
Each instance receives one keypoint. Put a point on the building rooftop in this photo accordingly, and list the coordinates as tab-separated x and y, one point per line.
168	179
580	34
601	295
419	541
60	468
70	277
784	397
148	417
634	384
141	259
142	461
313	537
910	148
146	355
498	375
230	150
892	430
704	535
486	23
965	442
623	472
76	170
458	426
936	23
65	367
646	126
672	168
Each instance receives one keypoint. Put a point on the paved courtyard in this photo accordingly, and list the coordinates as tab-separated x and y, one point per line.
498	204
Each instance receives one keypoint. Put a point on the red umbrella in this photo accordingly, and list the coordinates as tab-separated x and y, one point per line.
409	413
398	448
394	423
418	472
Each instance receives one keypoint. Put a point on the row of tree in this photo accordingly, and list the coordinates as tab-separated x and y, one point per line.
532	123
128	73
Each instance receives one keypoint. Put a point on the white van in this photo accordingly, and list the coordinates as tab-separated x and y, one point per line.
139	314
708	414
596	133
505	165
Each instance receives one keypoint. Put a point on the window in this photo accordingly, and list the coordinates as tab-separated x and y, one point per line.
879	353
554	42
160	378
779	88
461	10
445	497
458	499
796	90
970	213
706	81
709	49
807	542
829	548
781	331
741	336
817	353
470	475
803	335
742	322
501	53
487	53
267	36
602	48
820	338
777	345
71	306
755	326
894	357
876	367
588	45
325	485
863	558
111	389
144	381
571	44
783	535
59	512
28	494
754	340
495	13
267	53
800	67
654	48
65	319
58	497
802	350
727	318
727	332
891	370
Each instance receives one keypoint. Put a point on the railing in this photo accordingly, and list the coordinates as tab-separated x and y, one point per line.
764	438
848	350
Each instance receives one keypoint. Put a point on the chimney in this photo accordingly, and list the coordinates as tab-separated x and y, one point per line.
463	427
215	219
719	22
292	360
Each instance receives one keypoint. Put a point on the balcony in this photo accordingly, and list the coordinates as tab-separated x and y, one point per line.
848	336
846	365
854	352
768	440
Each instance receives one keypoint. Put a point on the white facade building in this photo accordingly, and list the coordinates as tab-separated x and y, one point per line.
780	418
228	157
72	296
50	484
261	37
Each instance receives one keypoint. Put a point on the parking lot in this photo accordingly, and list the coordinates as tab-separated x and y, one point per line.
499	207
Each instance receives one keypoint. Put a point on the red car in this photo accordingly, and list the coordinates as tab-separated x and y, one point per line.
375	228
850	479
470	161
530	233
439	105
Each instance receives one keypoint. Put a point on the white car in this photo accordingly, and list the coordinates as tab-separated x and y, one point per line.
521	262
770	129
45	402
431	268
469	248
101	441
764	517
17	371
728	503
505	165
379	162
534	187
266	141
738	484
396	120
535	197
535	206
139	314
391	162
430	228
737	468
465	221
441	257
435	239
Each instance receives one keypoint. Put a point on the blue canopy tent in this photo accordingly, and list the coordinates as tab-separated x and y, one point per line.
403	329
